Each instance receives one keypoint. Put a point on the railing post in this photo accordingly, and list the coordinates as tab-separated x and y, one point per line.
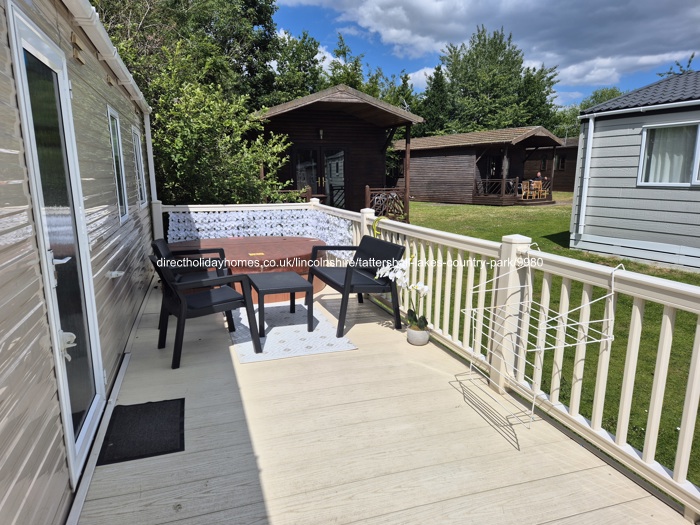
157	218
314	202
366	219
510	293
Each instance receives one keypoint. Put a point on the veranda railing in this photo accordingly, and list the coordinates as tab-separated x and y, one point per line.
629	379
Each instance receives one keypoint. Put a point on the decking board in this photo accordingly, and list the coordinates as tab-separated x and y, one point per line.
379	435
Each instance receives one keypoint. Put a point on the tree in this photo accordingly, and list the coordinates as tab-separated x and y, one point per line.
599	96
435	105
201	141
299	71
239	33
193	71
566	122
537	95
491	88
345	68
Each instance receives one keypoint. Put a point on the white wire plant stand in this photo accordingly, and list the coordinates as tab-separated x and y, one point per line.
521	333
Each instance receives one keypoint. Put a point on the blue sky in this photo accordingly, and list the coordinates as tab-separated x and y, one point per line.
593	43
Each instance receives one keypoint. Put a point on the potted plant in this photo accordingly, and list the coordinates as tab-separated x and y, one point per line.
417	332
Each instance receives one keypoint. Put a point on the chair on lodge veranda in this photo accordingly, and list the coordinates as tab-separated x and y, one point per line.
209	295
359	276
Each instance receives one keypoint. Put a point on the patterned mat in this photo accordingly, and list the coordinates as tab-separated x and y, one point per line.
286	335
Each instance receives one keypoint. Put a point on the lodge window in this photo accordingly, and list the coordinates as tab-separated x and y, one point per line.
138	164
118	163
561	162
543	164
669	155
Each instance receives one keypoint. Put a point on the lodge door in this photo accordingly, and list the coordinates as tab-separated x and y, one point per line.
323	170
51	157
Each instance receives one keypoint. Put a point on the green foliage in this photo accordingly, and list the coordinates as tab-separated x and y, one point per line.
566	123
681	68
484	85
599	96
299	70
415	321
345	68
199	139
436	106
200	64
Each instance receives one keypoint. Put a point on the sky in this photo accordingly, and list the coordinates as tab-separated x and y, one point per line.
593	43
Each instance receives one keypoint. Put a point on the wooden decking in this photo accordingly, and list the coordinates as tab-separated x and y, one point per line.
384	434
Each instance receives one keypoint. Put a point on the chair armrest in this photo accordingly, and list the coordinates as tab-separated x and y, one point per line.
210	282
316	249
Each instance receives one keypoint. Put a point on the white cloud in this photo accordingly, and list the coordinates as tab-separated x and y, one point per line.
592	42
325	57
419	78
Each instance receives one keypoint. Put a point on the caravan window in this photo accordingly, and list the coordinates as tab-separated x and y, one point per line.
668	155
118	163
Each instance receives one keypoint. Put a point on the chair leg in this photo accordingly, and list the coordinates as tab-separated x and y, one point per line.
360	299
341	315
254	332
179	336
162	327
395	306
229	320
311	295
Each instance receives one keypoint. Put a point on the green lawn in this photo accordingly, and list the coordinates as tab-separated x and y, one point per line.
548	226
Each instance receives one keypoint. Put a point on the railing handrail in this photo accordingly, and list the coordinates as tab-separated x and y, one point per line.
453	240
235	207
655	289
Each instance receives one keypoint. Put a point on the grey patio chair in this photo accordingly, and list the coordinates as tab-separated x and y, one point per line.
163	250
359	276
184	274
212	294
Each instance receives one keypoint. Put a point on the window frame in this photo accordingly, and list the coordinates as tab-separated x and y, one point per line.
139	167
119	175
695	173
560	163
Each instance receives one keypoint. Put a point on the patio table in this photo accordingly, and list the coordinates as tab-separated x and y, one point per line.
282	283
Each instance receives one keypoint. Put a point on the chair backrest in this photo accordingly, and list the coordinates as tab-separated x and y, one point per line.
162	249
537	185
374	253
167	278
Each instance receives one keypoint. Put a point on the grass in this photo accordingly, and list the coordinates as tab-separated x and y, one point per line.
548	226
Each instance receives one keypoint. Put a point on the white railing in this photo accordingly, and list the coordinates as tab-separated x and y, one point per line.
573	308
647	332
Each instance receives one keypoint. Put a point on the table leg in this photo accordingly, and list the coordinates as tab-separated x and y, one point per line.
261	314
310	310
292	305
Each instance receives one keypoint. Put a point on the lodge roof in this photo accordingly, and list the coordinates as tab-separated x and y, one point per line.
529	136
351	101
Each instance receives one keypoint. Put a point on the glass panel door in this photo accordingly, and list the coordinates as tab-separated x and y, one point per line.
334	171
44	100
306	169
61	233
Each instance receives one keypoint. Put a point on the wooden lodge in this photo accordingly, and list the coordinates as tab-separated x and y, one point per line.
557	163
339	141
483	167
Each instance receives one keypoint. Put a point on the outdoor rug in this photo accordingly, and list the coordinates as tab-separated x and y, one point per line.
145	430
286	335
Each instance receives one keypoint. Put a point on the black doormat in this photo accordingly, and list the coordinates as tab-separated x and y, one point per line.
145	430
